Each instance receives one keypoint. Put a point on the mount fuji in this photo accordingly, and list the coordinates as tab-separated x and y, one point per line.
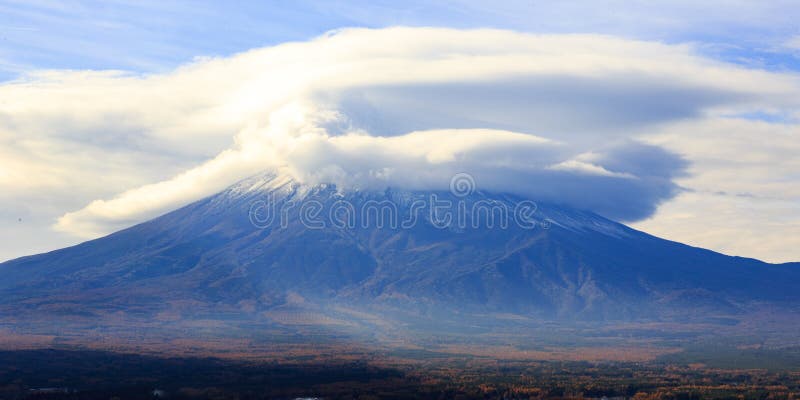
272	253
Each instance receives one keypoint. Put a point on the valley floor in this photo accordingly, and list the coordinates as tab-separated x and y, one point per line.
348	372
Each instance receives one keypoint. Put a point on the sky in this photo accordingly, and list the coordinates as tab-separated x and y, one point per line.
678	118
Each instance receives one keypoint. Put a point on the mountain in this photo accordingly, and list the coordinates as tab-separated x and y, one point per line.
271	252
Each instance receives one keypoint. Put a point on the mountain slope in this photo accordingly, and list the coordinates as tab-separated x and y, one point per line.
223	258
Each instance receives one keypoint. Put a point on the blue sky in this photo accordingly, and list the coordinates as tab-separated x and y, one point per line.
679	117
154	36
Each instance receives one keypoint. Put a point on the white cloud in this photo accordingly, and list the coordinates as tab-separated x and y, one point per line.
550	116
744	187
792	43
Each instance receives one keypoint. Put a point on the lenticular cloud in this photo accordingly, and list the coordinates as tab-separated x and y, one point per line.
553	118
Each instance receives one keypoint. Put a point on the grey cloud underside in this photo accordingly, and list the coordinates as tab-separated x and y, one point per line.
617	198
639	176
565	106
583	113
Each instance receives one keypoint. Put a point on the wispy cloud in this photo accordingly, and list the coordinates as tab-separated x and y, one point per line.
155	36
793	43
